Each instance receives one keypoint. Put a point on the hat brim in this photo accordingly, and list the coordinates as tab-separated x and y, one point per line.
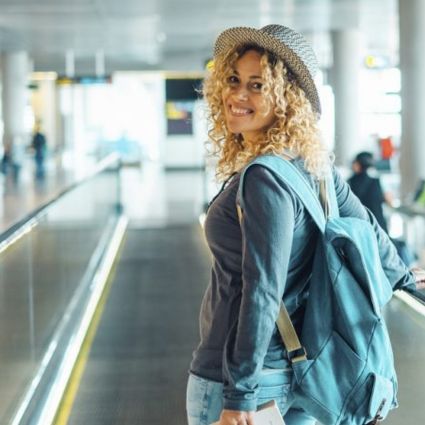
237	36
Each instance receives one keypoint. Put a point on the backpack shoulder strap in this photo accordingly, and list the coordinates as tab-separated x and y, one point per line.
289	174
329	196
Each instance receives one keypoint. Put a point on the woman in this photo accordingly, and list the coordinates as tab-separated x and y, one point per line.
262	100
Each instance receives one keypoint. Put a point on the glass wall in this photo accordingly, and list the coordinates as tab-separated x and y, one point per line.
42	277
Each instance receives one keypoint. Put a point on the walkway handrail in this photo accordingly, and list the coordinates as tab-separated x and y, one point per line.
17	230
418	295
413	299
409	210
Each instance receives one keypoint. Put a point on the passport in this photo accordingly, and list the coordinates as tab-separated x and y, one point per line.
267	414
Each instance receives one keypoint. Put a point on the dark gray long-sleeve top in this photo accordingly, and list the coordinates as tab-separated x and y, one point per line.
266	258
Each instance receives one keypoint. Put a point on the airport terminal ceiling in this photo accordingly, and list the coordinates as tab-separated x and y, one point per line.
177	35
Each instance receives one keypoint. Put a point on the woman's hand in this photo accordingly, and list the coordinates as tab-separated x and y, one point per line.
420	277
236	417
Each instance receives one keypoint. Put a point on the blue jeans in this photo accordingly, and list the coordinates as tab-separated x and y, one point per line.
204	398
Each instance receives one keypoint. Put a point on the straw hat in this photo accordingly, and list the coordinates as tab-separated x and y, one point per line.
290	46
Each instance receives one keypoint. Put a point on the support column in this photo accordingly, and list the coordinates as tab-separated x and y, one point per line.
14	76
345	83
412	65
100	63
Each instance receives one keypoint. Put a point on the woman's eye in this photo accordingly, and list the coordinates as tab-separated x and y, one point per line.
256	86
232	80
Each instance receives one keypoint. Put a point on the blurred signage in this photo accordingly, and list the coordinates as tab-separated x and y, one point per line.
85	79
375	61
209	64
182	89
179	117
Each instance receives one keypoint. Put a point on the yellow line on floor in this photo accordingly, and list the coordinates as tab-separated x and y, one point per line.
68	399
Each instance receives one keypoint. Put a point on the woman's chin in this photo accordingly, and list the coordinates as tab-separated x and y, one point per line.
235	128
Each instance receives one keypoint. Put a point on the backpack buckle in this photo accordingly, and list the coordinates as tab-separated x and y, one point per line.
298	355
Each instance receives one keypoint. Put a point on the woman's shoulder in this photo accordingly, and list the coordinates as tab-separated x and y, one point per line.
266	168
260	178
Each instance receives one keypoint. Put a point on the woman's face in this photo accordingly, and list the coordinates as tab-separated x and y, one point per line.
244	106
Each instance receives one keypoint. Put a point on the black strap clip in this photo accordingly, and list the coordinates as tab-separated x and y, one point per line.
378	418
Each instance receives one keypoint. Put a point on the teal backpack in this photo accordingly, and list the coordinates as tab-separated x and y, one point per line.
342	361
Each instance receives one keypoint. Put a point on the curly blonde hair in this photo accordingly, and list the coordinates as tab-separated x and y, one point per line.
295	128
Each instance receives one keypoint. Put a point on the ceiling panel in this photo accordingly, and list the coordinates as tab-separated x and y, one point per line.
139	34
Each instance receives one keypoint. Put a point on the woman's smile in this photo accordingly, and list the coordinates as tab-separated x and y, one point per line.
238	111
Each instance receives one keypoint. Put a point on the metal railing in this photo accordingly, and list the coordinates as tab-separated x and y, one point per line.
410	220
53	268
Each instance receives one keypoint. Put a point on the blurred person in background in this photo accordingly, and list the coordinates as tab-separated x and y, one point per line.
38	143
367	188
419	197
